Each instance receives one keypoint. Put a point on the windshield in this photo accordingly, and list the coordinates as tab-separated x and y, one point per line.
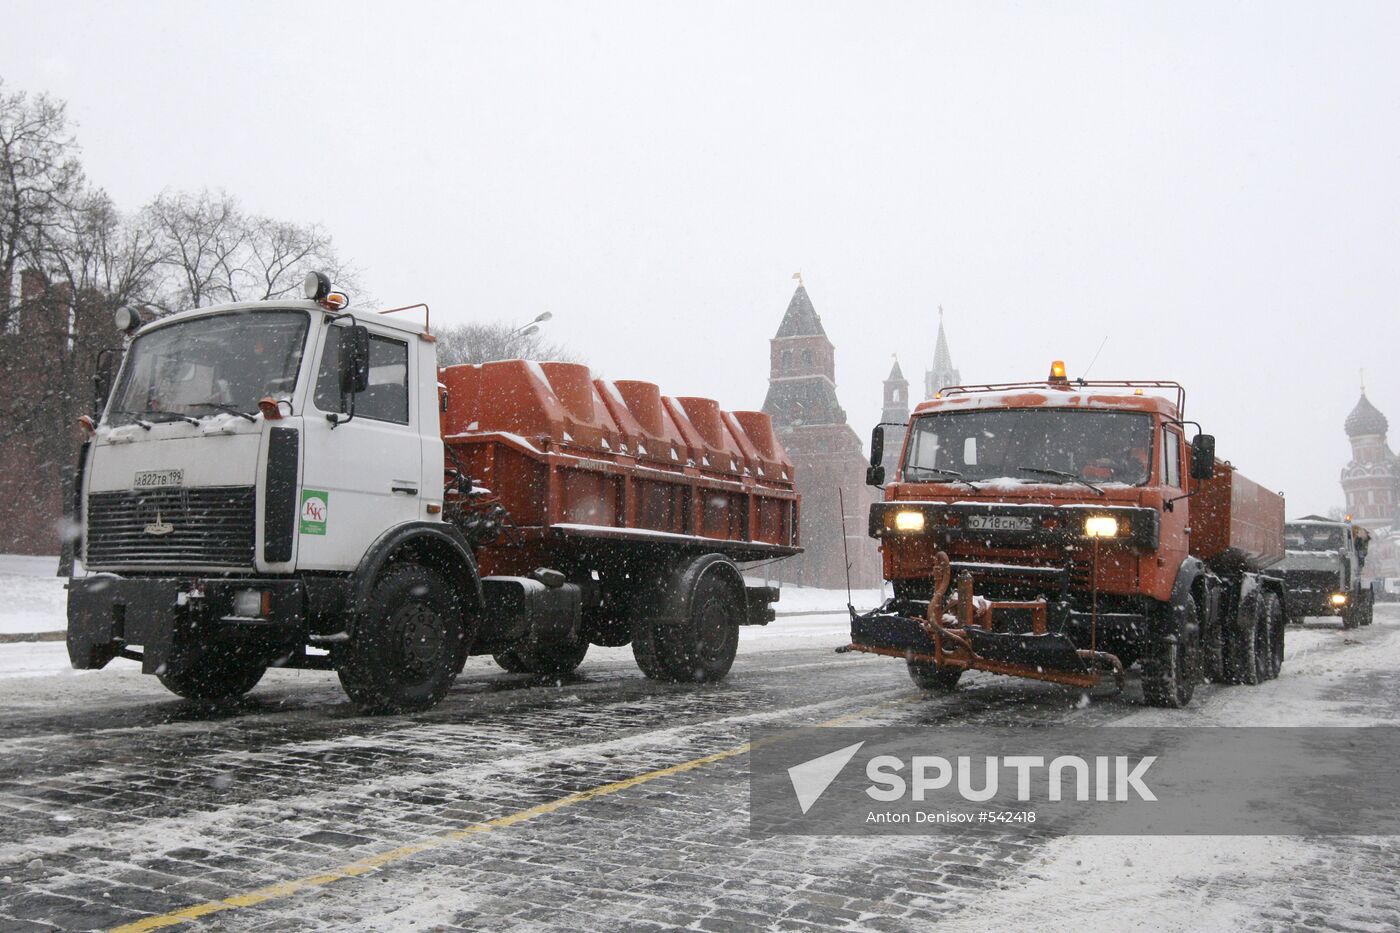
1031	445
200	367
1315	538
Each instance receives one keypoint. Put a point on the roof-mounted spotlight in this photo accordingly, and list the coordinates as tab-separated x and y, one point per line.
317	288
129	320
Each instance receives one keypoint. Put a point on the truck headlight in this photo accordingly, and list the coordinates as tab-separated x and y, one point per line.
1339	599
1101	526
908	520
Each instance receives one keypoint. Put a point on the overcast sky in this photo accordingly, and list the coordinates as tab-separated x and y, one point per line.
1213	187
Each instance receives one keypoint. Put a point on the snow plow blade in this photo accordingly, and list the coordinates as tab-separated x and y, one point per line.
1048	652
1047	656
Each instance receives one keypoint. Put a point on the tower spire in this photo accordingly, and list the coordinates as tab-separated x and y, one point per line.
943	373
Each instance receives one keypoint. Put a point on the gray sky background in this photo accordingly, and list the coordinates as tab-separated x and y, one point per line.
1215	187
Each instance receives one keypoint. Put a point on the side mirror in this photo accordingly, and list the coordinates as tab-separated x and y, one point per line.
103	376
354	359
875	476
1203	456
877	445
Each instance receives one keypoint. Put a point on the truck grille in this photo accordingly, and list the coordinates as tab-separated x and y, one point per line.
214	526
1321	581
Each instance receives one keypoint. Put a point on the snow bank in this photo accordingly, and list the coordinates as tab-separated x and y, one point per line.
32	597
807	599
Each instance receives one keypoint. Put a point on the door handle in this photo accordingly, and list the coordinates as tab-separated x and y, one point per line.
407	490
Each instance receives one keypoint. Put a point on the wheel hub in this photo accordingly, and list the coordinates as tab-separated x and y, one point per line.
422	635
713	628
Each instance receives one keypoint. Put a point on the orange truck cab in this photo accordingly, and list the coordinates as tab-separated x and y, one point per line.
1084	533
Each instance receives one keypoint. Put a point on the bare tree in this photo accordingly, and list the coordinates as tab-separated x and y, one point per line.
212	251
39	177
200	237
482	342
79	259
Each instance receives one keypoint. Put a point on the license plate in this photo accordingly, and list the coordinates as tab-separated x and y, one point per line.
999	523
151	479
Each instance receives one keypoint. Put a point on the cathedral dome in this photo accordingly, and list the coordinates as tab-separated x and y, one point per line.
1365	418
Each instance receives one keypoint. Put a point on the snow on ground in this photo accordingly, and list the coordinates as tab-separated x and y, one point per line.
811	599
32	597
1111	883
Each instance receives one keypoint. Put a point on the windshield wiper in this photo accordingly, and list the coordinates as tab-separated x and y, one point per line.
135	416
953	474
1073	478
227	409
172	416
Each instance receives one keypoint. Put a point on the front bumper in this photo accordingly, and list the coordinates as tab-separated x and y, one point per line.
109	615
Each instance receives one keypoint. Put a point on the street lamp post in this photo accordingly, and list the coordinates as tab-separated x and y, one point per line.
533	327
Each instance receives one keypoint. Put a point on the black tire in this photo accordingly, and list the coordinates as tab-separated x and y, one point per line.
1277	625
933	678
1367	605
1264	643
698	647
1349	619
1243	664
408	648
210	675
1171	667
545	660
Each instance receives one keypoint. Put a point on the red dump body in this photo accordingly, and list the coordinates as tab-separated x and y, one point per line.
574	458
1235	522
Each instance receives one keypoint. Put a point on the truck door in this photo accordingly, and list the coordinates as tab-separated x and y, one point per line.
1174	533
362	476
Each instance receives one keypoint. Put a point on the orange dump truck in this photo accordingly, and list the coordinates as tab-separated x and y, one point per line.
1065	531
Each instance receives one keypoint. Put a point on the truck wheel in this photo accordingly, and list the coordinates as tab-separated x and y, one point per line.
1349	618
1367	606
1274	622
1171	667
1264	644
934	678
407	649
546	660
1242	654
210	675
700	646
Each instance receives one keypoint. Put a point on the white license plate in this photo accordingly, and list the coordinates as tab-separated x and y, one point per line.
999	523
150	479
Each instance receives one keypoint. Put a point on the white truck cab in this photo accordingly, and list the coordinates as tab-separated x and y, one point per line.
251	461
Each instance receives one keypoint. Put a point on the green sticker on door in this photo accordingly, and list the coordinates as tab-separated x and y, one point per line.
315	509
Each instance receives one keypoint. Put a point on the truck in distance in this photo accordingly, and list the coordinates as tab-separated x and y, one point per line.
1322	571
293	483
1065	531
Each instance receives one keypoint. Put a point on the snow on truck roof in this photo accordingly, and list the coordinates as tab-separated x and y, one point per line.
1049	397
363	316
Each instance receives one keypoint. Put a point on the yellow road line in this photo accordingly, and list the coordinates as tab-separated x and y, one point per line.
355	869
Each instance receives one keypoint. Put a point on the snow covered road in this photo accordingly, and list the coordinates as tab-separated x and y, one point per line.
611	802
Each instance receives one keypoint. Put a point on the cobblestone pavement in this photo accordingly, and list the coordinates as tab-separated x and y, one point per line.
118	802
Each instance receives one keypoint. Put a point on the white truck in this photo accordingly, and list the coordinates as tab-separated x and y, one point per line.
286	483
1322	571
